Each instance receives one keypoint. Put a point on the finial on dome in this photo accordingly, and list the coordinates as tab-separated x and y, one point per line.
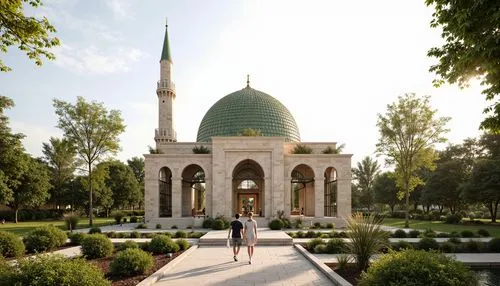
166	21
248	80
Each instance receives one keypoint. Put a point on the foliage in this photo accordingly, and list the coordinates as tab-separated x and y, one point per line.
483	232
385	190
252	132
60	156
144	226
365	174
311	244
302	149
183	244
76	238
335	245
161	244
96	246
180	234
131	261
343	261
494	245
33	189
8	272
136	164
367	237
122	182
408	132
470	31
94	230
158	226
413	267
413	233
48	270
10	245
133	219
399	233
466	233
276	224
201	150
44	238
453	219
472	246
427	243
118	216
402	244
333	150
30	34
93	130
298	223
71	221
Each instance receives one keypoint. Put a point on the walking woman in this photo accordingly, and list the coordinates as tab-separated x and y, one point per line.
250	233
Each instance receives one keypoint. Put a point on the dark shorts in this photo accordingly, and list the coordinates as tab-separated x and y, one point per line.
236	241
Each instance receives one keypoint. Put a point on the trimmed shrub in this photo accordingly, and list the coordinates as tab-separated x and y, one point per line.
181	234
413	267
311	234
76	238
174	227
298	223
299	234
195	234
401	245
183	244
399	233
111	234
133	219
335	245
443	235
71	221
10	245
320	248
44	238
483	232
158	226
287	223
317	225
413	233
94	230
118	216
127	244
218	224
429	233
96	246
427	243
131	262
455	240
472	246
158	244
494	245
330	226
124	220
448	247
208	222
467	233
8	273
141	226
454	234
276	224
48	270
311	244
135	234
453	219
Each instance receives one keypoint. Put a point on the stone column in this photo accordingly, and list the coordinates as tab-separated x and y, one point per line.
287	196
319	196
151	198
344	198
208	197
176	197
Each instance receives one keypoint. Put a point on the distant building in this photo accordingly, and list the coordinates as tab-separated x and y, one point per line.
224	172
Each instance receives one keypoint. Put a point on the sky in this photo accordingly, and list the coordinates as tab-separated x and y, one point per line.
334	64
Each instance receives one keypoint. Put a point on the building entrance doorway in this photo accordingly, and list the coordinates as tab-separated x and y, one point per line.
248	188
248	203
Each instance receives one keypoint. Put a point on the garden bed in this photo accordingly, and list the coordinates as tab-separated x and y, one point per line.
350	273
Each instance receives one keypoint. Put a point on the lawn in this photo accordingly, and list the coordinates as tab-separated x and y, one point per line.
21	228
493	229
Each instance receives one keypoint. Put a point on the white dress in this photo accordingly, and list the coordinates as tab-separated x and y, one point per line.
249	232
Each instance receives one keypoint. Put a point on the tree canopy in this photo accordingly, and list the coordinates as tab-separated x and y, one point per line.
471	48
365	174
31	35
93	130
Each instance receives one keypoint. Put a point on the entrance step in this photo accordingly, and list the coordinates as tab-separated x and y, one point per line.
266	237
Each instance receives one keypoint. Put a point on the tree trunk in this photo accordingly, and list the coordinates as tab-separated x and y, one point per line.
90	196
392	209
407	205
15	214
495	212
490	208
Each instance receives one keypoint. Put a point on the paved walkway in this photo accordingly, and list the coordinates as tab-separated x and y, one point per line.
272	265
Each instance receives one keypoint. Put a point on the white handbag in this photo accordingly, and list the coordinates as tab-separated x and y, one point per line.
228	244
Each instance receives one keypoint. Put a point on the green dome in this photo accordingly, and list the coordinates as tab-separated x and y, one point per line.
248	108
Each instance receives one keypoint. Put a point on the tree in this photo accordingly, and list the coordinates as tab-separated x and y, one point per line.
33	190
484	185
59	154
408	132
31	35
302	149
365	174
137	166
120	179
93	130
470	30
11	168
385	190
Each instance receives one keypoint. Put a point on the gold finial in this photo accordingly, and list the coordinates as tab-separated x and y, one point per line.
248	80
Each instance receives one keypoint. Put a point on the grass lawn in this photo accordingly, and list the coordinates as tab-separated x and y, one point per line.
493	229
21	228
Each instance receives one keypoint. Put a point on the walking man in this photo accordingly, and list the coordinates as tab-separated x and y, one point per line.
237	230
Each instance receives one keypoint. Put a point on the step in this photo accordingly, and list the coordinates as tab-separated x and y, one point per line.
261	241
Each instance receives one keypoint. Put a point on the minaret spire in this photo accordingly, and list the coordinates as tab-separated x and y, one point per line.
248	80
165	53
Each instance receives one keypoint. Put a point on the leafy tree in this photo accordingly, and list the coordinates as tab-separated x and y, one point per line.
385	190
33	190
137	166
29	34
489	145
408	132
101	193
11	168
470	30
484	185
365	174
251	132
93	130
120	179
60	154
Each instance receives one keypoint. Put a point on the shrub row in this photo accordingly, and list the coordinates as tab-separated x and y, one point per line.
135	234
314	234
26	215
399	233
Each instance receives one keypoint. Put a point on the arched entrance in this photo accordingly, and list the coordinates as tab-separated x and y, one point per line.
248	188
302	191
193	191
165	192
330	192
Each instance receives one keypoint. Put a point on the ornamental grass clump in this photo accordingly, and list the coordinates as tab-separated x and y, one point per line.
367	238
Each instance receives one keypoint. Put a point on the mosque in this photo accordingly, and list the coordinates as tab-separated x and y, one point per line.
245	159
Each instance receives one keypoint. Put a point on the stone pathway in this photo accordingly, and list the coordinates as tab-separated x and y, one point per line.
272	265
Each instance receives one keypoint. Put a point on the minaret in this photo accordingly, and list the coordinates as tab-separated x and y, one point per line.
166	95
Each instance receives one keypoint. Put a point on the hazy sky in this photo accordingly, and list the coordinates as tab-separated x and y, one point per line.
333	64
